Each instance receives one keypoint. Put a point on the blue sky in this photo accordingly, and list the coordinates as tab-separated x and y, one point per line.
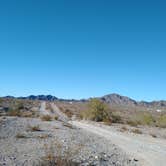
80	49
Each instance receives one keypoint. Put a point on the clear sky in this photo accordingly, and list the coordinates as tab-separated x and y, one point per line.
83	48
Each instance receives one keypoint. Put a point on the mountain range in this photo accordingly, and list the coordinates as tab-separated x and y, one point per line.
112	99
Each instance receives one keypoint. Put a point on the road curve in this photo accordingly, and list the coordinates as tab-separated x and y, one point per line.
150	151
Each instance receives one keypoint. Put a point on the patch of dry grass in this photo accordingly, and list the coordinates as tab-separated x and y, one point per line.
136	131
45	136
13	112
20	135
133	123
56	155
20	113
68	112
46	118
34	128
124	128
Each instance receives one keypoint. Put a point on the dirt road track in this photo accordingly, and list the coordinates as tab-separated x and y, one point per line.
150	151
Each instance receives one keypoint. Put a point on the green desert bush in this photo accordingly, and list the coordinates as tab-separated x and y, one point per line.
56	118
161	121
142	119
97	111
147	119
116	118
133	123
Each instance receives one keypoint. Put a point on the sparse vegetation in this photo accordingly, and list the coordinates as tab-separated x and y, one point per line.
45	136
98	111
14	112
136	131
46	118
68	112
18	107
56	117
148	119
123	129
161	121
34	128
116	118
20	135
56	155
133	123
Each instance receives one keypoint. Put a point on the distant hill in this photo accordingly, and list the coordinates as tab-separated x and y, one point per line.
111	99
116	99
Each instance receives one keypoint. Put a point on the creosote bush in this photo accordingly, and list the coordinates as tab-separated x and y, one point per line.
116	118
161	121
98	111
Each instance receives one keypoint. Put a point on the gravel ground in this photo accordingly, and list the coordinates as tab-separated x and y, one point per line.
150	151
20	146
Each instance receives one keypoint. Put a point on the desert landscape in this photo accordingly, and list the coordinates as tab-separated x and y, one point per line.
82	83
44	130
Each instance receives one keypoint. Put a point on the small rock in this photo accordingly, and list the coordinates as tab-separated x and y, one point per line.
135	160
96	157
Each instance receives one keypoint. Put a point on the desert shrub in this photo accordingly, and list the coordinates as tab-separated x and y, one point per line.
124	128
56	118
56	155
1	100
136	131
116	118
133	123
14	112
20	105
69	113
146	119
98	111
46	118
19	113
141	119
161	121
27	114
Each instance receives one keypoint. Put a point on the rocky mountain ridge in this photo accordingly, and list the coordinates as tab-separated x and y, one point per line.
112	99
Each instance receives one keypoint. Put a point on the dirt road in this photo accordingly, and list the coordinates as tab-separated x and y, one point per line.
59	113
42	109
150	151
